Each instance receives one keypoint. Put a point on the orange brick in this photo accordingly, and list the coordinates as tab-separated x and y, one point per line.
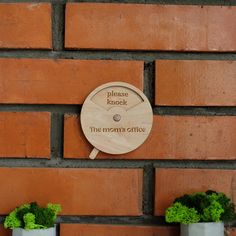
116	230
24	134
25	25
195	83
44	81
172	137
4	232
150	27
231	232
172	183
79	191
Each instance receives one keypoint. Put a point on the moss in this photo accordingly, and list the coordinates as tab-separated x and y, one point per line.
181	214
32	216
209	206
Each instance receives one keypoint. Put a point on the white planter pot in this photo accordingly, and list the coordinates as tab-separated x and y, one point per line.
202	229
34	232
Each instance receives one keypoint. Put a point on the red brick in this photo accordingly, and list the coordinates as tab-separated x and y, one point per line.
79	191
4	232
195	83
116	230
231	231
172	137
172	183
25	25
25	134
45	81
150	27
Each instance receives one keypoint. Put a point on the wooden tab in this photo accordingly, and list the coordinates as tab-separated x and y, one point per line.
116	118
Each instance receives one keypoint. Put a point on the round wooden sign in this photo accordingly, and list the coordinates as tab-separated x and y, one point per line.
116	118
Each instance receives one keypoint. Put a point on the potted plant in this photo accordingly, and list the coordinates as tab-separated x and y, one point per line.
33	220
201	213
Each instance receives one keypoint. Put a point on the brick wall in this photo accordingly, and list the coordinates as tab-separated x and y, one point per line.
182	54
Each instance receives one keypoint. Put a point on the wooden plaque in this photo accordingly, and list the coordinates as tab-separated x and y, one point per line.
116	118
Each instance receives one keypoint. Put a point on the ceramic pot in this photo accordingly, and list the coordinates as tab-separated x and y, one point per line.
202	229
34	232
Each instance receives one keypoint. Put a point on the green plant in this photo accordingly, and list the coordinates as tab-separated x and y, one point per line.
209	206
32	216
